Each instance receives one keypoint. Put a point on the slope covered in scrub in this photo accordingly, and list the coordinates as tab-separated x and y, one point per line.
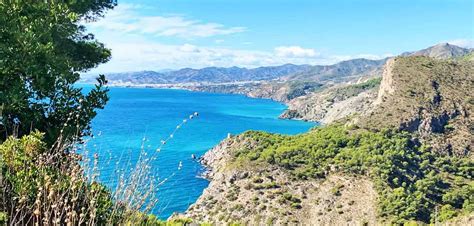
412	180
428	97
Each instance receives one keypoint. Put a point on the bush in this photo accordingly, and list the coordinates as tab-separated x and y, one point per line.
447	212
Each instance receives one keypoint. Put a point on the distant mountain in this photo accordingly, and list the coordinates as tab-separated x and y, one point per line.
138	77
232	74
205	75
441	51
340	72
237	74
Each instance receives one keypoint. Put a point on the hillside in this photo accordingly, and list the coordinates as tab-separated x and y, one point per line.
429	97
334	103
372	169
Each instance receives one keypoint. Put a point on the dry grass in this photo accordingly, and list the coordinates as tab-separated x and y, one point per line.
58	186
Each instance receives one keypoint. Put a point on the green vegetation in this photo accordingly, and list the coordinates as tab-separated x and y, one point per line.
410	179
353	90
467	57
40	186
301	88
290	199
44	48
43	116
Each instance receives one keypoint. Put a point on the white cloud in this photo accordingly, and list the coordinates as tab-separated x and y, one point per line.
294	51
131	38
465	43
125	19
189	48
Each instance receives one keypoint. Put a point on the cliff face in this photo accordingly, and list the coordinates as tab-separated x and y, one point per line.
432	98
261	195
387	86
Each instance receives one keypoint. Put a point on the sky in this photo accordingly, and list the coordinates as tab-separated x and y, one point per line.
172	34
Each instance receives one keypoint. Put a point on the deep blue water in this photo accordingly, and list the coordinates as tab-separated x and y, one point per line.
136	113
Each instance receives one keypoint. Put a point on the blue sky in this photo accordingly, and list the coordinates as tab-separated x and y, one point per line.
171	34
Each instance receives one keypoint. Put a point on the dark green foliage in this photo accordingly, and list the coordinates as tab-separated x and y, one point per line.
298	89
268	185
43	49
353	90
410	179
337	190
291	200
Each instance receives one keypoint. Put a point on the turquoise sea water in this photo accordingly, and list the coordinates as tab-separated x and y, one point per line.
136	113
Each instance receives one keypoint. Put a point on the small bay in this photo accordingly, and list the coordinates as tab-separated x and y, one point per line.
143	116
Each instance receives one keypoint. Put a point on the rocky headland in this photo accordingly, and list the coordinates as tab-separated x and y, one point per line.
428	98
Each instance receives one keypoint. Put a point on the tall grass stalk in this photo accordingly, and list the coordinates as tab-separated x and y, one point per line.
62	185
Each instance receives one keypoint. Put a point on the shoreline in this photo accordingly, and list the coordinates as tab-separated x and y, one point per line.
193	87
208	169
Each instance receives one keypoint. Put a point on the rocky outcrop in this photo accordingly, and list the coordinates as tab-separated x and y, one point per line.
386	85
262	195
432	98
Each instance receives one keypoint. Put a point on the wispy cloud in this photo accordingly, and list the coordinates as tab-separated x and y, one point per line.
294	51
124	18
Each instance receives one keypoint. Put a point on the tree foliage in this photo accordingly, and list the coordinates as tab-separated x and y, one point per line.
43	47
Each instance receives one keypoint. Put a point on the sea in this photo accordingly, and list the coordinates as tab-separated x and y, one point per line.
138	120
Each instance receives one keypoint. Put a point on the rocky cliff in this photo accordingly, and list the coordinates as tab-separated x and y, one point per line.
433	98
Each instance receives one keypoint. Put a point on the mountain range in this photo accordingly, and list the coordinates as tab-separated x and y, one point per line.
286	72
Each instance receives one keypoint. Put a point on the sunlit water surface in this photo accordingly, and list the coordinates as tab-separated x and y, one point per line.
136	113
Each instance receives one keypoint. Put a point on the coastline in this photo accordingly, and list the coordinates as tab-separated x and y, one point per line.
207	168
200	87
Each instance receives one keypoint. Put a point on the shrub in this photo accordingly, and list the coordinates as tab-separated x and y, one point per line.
447	212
